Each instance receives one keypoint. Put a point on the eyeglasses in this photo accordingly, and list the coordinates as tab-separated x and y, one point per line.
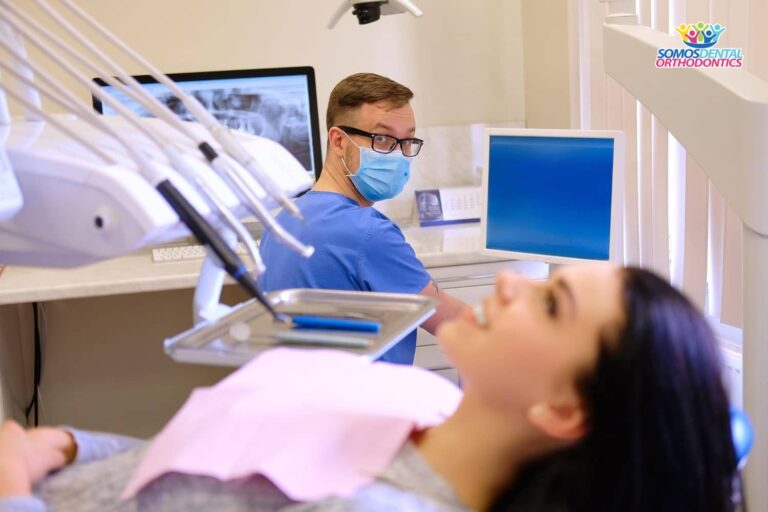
386	143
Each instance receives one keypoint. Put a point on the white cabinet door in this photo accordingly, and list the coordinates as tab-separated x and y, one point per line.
450	374
431	357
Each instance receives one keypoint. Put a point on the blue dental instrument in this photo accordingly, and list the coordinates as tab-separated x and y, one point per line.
335	324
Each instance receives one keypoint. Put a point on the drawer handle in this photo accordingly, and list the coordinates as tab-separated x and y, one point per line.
476	277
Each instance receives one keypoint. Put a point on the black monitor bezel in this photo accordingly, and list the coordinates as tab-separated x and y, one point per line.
307	71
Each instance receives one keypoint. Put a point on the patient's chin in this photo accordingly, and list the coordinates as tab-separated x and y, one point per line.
450	330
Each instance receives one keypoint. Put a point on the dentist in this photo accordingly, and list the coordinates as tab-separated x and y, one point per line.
371	143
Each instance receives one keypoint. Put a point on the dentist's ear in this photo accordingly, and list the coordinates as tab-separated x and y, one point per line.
565	422
335	139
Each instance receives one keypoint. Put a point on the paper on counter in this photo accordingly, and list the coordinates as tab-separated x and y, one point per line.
317	423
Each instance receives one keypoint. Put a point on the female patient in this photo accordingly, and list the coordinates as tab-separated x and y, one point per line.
599	390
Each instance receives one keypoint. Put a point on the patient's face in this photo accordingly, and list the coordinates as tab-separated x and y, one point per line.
538	336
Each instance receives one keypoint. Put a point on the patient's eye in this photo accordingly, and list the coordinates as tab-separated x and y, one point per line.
550	302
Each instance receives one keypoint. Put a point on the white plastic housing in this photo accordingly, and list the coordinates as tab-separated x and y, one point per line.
78	209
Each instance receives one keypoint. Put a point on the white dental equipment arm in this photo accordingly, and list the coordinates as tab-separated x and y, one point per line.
137	178
720	116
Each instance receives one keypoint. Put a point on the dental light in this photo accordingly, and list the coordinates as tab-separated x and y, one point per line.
368	12
98	187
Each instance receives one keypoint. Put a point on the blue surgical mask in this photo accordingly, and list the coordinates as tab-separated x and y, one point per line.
380	176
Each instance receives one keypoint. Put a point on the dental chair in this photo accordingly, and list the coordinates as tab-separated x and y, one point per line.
743	439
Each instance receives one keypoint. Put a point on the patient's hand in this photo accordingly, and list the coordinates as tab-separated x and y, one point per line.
27	456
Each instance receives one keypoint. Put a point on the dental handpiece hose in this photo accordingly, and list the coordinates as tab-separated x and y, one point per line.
209	237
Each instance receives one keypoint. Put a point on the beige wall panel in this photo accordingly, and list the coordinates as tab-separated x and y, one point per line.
547	68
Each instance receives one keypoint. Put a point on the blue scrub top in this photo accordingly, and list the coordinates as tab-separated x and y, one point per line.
356	248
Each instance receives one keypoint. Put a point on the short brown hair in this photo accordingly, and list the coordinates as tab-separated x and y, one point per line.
361	88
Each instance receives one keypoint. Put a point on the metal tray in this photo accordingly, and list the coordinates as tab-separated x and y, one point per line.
212	342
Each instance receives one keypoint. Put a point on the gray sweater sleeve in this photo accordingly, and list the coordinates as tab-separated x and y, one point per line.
22	504
93	446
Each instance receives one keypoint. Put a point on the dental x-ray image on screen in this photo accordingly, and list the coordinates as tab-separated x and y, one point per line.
279	104
553	195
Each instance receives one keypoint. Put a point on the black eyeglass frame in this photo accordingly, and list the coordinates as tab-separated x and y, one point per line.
399	142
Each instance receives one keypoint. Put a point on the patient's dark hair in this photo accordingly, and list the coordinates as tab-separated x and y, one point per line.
659	437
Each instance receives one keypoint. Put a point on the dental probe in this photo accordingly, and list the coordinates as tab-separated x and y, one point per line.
321	339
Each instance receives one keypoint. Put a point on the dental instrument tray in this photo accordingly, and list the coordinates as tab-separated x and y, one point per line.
249	329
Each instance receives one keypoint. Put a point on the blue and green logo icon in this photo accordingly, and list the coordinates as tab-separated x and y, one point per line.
700	35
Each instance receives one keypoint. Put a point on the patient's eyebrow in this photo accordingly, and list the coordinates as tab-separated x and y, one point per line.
566	288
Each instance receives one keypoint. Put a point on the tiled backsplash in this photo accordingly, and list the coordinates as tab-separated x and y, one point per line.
452	156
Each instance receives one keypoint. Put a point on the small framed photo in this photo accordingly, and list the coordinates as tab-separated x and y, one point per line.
429	205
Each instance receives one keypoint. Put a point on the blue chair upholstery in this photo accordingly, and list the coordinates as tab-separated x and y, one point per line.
743	435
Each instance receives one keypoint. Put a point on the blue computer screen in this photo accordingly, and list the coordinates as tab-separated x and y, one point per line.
281	107
550	195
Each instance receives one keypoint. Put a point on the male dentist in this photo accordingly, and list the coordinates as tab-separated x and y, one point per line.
371	142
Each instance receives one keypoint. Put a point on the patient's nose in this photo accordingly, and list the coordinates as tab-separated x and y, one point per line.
509	285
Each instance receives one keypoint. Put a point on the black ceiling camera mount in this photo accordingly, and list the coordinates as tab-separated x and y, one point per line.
370	11
367	12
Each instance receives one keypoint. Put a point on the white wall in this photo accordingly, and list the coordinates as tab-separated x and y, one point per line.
463	62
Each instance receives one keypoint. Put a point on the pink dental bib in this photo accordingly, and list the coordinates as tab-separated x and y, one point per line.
317	423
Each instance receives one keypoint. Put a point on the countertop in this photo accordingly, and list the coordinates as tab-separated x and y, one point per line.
440	246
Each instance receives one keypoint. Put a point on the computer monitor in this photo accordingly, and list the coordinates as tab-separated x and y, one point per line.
279	104
553	195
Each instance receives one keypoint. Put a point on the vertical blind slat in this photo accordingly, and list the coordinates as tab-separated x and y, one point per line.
676	178
644	12
732	302
631	181
676	182
695	220
644	163
645	185
660	15
716	238
613	107
660	198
